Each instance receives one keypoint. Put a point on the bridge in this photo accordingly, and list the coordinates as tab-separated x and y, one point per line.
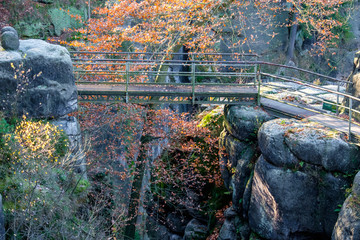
222	78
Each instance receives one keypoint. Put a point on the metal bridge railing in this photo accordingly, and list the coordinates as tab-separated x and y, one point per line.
157	69
203	69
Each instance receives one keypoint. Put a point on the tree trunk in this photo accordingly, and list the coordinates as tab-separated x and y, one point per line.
293	31
291	49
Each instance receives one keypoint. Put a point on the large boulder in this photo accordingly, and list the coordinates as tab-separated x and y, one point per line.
37	80
299	180
243	122
348	223
157	231
272	145
234	227
177	222
287	204
286	142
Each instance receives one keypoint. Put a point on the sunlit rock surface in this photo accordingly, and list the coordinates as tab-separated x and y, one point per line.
37	80
299	180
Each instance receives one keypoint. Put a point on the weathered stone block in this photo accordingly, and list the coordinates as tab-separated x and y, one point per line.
37	80
244	122
288	204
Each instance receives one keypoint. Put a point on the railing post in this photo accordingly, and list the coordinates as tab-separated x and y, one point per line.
256	71
258	76
337	99
350	116
193	81
127	69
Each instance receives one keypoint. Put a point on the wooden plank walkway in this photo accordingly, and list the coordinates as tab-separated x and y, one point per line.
283	109
170	93
156	90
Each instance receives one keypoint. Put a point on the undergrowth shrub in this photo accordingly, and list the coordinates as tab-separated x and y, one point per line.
42	194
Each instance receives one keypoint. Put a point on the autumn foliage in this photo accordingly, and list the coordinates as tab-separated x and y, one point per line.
159	25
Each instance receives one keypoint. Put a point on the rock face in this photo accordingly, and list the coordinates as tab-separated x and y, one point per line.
234	227
44	18
238	141
299	180
287	142
37	80
71	128
243	122
239	152
258	28
348	223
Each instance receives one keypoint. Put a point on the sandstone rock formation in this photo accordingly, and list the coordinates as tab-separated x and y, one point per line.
195	230
238	140
299	180
37	80
239	145
348	223
71	128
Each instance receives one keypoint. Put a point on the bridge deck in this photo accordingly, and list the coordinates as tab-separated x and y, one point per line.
161	89
282	109
197	94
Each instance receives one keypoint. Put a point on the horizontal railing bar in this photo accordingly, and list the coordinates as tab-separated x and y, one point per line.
310	85
164	61
314	97
163	53
163	84
156	64
170	73
302	70
80	61
220	63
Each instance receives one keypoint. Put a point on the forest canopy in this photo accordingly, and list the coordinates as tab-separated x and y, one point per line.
166	25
